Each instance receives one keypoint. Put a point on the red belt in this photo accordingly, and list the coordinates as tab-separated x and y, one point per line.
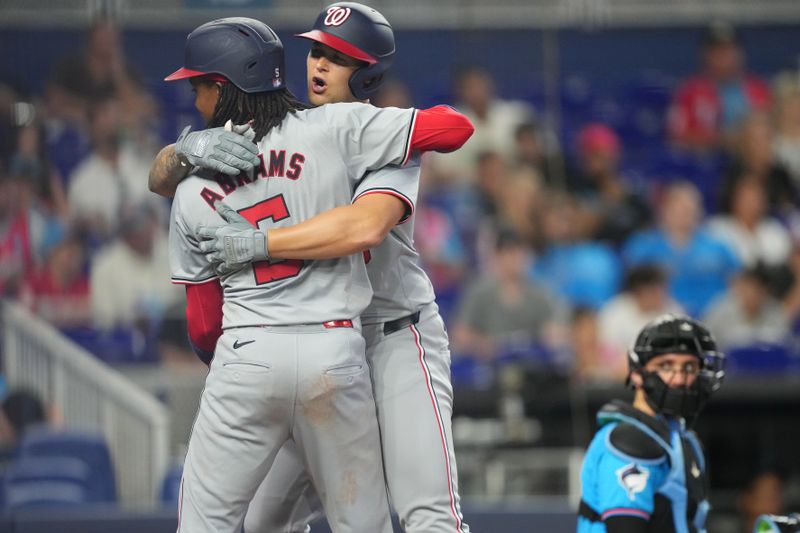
338	324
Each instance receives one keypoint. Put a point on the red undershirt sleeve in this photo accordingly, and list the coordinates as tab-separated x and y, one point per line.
204	317
440	128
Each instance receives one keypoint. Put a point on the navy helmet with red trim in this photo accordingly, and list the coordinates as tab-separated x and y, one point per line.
360	32
244	51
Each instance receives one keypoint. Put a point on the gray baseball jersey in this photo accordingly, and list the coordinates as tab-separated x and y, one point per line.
399	284
312	163
292	376
410	372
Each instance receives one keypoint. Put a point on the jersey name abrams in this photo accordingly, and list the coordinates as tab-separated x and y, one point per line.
276	167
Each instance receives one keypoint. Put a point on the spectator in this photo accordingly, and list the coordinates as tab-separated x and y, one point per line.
709	106
748	314
520	201
593	362
764	494
20	410
16	255
442	253
129	281
31	163
755	159
25	228
582	272
112	178
503	309
697	264
58	291
749	230
393	93
609	209
8	120
492	178
495	122
98	72
532	151
787	119
644	298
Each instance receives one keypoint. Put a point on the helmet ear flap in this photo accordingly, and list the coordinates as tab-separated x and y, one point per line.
365	81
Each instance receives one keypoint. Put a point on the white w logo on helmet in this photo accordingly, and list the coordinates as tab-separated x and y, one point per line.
336	16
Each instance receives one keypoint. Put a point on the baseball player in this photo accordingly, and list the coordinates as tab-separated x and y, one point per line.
406	342
645	470
289	363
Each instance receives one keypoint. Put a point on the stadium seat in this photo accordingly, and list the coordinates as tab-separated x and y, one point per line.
89	448
760	359
171	486
46	481
120	345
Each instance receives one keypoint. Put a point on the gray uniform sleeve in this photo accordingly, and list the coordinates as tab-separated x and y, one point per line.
401	182
187	263
369	138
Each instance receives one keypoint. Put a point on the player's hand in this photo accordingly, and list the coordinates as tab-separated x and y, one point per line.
224	150
234	245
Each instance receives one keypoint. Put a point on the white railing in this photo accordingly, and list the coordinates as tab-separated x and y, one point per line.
90	395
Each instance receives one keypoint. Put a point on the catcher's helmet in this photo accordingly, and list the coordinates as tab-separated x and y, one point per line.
671	334
674	334
245	51
360	32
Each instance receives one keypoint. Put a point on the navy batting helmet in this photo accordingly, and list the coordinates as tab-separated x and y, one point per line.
360	32
244	51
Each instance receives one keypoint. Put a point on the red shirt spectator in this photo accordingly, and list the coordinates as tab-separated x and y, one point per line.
709	105
59	291
16	256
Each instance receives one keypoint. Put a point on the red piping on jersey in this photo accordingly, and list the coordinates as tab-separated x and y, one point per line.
625	511
408	148
439	423
204	314
409	204
440	128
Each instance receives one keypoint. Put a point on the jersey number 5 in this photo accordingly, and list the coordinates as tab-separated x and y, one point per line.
267	271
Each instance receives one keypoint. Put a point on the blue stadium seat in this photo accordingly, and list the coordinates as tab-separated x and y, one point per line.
89	448
760	359
670	164
46	481
120	345
171	486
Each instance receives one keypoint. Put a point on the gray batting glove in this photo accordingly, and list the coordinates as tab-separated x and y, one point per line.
232	246
224	151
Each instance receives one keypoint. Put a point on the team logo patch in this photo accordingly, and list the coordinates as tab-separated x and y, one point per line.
633	478
337	15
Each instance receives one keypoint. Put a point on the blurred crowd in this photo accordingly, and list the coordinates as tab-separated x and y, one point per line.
548	242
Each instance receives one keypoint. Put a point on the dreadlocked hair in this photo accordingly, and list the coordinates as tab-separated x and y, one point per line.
266	109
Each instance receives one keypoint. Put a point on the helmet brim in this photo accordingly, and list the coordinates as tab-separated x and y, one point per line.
338	44
183	73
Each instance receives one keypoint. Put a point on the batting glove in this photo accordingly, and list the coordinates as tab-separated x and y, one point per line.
234	245
224	150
